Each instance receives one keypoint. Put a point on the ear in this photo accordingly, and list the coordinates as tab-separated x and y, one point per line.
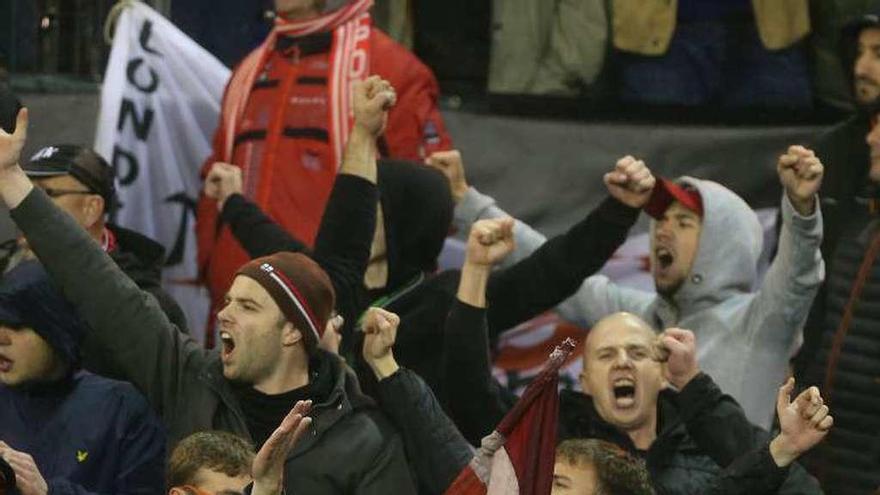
585	385
94	209
290	335
176	491
664	383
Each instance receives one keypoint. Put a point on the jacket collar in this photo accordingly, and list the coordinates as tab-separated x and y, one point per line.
579	419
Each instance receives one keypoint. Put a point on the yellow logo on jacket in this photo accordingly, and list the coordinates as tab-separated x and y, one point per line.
81	456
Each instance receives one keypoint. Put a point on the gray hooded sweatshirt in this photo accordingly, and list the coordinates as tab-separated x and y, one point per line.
746	330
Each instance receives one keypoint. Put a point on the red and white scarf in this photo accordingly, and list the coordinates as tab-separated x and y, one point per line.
349	62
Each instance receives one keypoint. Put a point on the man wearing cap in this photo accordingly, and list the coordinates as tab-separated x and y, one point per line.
64	430
81	183
705	246
274	314
844	322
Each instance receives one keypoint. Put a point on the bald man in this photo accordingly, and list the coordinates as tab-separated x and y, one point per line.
644	393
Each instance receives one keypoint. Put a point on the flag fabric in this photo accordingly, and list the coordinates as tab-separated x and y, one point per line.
517	458
160	105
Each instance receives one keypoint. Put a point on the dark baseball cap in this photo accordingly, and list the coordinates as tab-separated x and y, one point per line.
81	163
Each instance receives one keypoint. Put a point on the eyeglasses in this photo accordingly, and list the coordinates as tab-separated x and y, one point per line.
57	193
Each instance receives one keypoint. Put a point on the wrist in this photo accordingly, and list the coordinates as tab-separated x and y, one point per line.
14	185
782	451
458	193
682	381
473	282
803	206
384	367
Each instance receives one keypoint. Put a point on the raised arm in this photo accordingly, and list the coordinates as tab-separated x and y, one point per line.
556	270
476	401
127	324
437	451
790	285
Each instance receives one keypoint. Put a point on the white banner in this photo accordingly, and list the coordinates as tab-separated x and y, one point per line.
160	104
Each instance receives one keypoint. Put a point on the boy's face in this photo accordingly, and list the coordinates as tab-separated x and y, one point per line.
25	357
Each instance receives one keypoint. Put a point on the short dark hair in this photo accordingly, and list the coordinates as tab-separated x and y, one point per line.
213	450
618	472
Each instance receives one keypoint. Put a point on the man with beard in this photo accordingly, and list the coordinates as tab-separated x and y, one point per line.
842	336
286	116
705	246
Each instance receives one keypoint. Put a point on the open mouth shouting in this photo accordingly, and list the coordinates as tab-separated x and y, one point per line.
624	392
228	344
5	364
665	257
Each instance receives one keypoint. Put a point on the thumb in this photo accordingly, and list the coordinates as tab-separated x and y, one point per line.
21	124
783	397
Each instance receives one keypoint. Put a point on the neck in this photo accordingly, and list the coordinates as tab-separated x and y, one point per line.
643	436
97	232
290	374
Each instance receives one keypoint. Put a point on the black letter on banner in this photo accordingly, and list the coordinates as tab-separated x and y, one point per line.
141	127
146	32
175	256
133	65
133	167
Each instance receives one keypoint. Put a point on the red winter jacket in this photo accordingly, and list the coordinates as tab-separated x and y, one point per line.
299	68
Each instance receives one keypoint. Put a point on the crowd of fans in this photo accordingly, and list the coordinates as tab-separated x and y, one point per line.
345	362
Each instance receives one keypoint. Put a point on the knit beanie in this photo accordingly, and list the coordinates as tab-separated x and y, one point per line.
300	288
29	298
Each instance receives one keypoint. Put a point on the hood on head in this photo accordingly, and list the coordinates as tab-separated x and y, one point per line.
848	45
29	298
417	209
731	241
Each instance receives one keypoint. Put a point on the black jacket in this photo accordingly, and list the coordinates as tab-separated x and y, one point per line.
350	448
848	461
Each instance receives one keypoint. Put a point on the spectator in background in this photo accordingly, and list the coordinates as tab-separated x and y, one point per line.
736	53
705	279
62	429
285	119
82	184
546	47
842	334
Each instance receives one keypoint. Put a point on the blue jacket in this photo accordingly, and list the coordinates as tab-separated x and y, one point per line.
87	434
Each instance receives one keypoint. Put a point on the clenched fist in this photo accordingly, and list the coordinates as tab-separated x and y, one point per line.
631	182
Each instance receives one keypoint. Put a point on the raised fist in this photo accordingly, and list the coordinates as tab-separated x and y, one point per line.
380	333
490	241
678	348
449	162
800	173
222	181
371	100
631	182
